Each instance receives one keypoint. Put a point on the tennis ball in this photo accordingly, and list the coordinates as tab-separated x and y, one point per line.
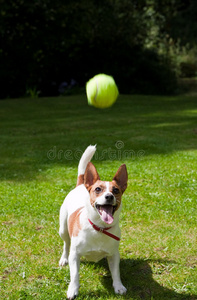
102	91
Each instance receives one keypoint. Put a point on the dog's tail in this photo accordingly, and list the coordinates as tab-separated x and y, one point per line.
85	159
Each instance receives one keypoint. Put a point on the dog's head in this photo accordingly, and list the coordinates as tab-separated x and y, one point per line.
105	196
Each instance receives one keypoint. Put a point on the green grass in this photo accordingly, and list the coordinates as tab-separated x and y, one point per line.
41	142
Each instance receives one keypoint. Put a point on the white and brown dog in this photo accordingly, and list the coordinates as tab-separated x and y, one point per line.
85	216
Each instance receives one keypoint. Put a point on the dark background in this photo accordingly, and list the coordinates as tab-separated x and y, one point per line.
48	47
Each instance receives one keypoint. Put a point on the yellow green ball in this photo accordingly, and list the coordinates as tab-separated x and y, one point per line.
101	91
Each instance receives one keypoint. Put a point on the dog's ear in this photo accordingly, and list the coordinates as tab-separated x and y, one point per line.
91	176
121	177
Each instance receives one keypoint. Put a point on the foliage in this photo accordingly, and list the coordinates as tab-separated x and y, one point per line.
45	43
172	36
158	219
174	24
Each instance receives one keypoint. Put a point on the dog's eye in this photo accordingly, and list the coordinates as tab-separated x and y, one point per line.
97	190
116	190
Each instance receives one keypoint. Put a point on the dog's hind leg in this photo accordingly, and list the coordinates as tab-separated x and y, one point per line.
63	232
64	258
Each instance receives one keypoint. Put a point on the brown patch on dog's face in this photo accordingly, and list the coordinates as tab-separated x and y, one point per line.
116	191
97	190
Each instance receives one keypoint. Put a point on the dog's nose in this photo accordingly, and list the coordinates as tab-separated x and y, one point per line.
109	197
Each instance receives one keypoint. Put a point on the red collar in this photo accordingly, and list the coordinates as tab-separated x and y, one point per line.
103	230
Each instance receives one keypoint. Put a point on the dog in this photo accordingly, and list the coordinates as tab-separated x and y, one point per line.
89	222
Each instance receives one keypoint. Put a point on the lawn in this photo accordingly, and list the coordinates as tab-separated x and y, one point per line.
41	143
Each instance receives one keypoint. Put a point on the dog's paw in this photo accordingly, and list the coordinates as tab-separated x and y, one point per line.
72	291
120	289
63	261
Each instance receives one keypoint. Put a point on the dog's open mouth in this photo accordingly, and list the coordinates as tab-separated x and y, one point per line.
106	212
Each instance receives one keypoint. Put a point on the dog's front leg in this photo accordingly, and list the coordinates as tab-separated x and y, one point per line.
114	262
74	262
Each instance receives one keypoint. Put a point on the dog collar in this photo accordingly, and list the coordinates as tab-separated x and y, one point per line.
104	230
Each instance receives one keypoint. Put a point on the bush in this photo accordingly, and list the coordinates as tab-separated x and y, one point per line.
143	71
188	69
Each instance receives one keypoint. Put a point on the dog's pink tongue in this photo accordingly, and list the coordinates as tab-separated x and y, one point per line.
106	214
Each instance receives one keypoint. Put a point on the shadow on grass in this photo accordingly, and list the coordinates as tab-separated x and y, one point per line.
38	135
137	276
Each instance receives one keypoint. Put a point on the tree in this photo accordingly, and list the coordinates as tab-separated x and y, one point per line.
44	43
